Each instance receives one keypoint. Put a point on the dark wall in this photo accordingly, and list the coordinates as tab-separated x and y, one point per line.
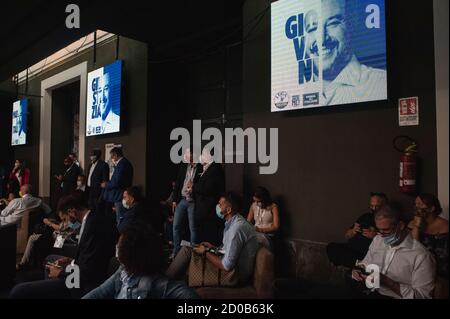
65	102
6	106
134	105
203	87
133	137
331	158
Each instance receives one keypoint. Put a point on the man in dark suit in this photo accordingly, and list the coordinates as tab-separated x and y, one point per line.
207	191
69	179
121	179
98	173
98	236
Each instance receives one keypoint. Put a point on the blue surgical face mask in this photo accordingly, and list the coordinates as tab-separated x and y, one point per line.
391	239
219	212
74	225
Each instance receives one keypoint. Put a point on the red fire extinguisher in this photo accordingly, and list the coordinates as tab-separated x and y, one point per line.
408	165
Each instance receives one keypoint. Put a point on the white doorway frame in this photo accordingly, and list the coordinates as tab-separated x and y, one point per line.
78	72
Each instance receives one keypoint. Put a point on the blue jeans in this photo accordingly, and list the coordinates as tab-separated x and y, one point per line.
184	209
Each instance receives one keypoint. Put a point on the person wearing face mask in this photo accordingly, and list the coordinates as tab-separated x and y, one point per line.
133	209
121	179
407	269
96	246
431	230
207	190
238	249
359	236
81	183
39	243
98	173
264	214
69	179
140	253
12	214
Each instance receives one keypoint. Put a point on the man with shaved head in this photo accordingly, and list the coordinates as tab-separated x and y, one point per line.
13	213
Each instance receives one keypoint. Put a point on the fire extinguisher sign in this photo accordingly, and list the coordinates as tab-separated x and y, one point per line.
408	111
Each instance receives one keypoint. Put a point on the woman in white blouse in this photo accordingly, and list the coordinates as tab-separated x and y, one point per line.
264	214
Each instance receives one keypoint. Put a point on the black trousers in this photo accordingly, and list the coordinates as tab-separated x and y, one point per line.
342	254
44	289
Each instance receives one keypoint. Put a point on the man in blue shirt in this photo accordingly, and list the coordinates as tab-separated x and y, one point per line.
239	244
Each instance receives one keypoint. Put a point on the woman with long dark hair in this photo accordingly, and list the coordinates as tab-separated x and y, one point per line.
19	176
265	215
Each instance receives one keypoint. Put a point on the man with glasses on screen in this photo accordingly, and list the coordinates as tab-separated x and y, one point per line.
110	120
328	40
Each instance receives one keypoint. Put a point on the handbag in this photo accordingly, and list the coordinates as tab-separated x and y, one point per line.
203	273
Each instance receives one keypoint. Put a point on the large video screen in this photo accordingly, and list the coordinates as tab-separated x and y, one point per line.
327	52
19	122
103	100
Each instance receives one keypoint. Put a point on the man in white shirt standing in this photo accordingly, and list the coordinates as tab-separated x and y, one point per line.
13	213
407	269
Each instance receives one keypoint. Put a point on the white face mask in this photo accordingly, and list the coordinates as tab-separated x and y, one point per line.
93	158
125	204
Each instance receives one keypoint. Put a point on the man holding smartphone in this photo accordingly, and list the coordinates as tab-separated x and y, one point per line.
359	236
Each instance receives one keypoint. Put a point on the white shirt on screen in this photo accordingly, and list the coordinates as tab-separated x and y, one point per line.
356	83
111	123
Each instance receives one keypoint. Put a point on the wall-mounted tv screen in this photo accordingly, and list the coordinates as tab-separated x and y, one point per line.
327	52
19	122
103	100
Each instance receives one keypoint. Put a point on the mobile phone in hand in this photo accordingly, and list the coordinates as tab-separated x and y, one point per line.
361	269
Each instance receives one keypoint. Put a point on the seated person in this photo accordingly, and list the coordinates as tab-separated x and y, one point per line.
359	236
431	230
239	244
5	201
140	254
66	227
264	214
407	269
95	250
132	208
13	213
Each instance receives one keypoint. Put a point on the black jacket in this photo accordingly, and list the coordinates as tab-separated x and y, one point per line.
95	249
99	175
207	191
69	181
180	180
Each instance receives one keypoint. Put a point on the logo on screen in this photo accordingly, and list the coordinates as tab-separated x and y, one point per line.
281	99
311	99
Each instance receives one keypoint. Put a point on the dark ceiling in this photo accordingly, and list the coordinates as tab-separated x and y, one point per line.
30	30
